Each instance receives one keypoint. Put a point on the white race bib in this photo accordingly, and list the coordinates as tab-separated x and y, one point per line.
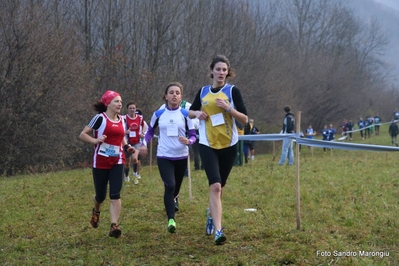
132	134
172	130
108	150
217	119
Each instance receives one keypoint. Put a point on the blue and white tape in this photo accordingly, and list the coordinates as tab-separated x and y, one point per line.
318	143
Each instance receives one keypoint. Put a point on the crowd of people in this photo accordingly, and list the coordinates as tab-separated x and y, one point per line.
367	127
209	125
370	126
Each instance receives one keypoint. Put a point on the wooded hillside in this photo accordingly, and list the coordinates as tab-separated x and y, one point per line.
58	57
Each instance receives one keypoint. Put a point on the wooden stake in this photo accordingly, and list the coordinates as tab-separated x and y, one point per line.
190	195
298	187
151	158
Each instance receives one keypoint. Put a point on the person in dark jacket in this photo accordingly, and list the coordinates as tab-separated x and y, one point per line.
349	127
393	131
325	134
288	128
331	133
247	143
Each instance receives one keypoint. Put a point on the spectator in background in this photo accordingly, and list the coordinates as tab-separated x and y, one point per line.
288	128
331	133
197	158
349	128
310	133
241	145
396	115
247	143
393	131
377	122
106	131
344	127
253	130
361	126
366	123
325	135
371	125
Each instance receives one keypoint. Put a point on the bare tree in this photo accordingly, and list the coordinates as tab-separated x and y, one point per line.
58	57
40	78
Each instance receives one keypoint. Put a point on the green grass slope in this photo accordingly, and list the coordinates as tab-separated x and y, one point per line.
349	216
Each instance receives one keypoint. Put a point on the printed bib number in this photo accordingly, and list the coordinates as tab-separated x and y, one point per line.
108	150
132	134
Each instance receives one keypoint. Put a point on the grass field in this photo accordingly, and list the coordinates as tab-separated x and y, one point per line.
349	216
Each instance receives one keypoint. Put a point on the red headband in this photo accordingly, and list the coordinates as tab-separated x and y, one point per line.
108	97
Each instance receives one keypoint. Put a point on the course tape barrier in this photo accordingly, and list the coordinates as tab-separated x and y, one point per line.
370	126
318	143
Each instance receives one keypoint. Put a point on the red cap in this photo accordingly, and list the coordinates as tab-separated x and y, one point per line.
108	97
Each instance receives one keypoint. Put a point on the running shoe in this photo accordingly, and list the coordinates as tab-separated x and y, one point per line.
127	178
95	218
115	231
209	228
171	226
138	176
220	238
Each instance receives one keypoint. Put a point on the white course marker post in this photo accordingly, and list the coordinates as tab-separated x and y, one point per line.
190	195
151	158
298	187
